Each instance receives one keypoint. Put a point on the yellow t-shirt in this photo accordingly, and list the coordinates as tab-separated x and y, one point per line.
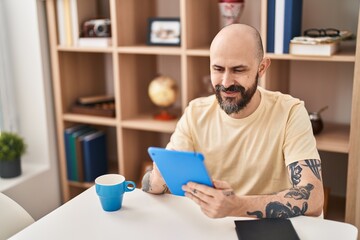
252	153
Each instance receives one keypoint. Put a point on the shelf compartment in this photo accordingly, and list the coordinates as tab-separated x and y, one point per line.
84	74
111	159
132	18
79	118
136	72
148	123
334	138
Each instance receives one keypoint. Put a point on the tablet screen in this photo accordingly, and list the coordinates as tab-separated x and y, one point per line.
180	167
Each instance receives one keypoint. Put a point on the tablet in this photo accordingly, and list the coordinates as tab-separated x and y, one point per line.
180	167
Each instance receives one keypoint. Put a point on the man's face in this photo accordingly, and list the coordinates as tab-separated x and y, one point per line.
234	76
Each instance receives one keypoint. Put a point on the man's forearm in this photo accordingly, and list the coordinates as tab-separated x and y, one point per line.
306	197
284	204
152	182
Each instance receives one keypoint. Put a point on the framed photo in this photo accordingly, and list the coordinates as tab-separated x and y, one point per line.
164	31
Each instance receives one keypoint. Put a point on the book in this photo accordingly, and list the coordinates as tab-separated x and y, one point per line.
95	42
80	156
279	26
270	26
320	49
60	21
74	22
95	99
94	155
73	152
68	154
288	15
292	22
266	229
67	17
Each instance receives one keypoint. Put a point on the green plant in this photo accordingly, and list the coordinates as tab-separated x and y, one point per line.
12	146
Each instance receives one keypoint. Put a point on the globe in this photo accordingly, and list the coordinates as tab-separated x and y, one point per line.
163	92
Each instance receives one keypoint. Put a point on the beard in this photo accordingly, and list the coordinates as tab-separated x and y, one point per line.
235	104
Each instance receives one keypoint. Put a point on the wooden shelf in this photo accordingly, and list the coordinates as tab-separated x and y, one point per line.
85	49
346	54
148	123
202	52
106	121
334	138
143	49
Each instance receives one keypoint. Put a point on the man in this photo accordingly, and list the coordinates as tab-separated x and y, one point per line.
258	145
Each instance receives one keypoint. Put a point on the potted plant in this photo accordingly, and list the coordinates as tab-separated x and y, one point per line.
12	147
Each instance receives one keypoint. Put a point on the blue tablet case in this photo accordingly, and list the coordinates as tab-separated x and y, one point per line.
180	167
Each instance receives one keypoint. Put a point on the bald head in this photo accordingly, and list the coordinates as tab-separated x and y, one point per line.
239	36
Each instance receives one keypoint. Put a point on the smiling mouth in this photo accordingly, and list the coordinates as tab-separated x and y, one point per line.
230	93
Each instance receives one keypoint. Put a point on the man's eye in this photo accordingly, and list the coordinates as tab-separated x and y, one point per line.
217	69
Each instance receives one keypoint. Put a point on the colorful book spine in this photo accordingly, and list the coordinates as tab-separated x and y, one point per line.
94	155
68	27
270	26
68	150
292	22
279	26
287	23
60	21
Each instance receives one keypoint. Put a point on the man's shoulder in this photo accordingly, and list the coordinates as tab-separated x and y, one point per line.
276	97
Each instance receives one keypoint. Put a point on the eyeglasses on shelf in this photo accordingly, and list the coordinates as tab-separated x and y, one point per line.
322	32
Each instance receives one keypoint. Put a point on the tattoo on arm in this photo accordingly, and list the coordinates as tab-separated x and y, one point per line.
146	185
315	167
295	171
279	210
299	193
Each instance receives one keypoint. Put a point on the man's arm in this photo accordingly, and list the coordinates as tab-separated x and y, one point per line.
153	182
305	197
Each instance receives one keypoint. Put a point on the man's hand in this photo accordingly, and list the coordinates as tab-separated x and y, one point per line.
215	202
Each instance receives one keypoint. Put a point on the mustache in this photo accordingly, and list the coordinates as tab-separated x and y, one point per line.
232	88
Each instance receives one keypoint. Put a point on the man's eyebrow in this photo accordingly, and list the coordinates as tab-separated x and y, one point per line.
240	66
217	66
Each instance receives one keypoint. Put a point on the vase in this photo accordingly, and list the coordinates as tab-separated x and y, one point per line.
230	11
10	168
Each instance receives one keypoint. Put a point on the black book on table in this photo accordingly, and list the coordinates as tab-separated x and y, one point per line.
267	228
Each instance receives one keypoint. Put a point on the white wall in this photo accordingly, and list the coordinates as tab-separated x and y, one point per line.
29	65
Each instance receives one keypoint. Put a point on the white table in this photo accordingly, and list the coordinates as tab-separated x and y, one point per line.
147	216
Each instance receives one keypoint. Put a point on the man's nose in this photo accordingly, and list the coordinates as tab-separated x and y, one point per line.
227	80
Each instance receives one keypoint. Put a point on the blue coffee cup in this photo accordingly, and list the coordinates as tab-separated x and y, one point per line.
111	188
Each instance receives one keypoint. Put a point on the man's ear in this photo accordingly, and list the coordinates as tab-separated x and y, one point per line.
264	65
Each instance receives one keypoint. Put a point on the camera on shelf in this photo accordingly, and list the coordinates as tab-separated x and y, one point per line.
96	28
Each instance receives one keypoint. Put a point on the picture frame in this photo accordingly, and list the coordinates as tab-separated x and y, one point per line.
164	31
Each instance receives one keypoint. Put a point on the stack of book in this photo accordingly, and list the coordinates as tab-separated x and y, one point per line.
86	155
99	105
309	46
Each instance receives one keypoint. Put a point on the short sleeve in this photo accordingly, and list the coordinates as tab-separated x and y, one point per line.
300	143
